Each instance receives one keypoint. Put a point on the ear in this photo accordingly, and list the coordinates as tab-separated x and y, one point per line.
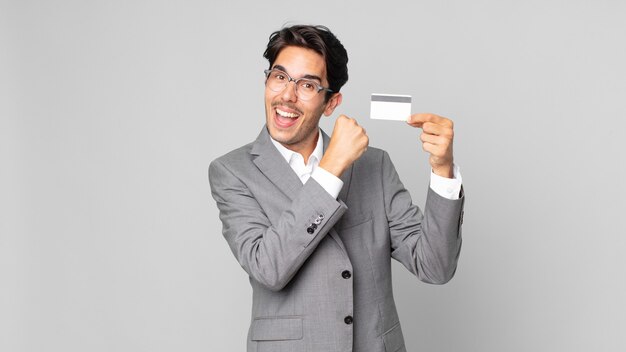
332	103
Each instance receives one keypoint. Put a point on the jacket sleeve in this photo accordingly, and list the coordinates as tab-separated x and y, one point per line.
271	253
427	244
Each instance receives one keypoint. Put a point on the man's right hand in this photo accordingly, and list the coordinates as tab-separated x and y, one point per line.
347	143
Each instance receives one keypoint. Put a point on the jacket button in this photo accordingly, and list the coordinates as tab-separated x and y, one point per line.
310	230
347	320
346	274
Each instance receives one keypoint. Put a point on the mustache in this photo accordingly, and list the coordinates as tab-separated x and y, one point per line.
287	105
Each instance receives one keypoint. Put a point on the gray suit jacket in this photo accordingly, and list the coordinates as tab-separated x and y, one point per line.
320	268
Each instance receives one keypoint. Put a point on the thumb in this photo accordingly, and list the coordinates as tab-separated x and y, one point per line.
416	120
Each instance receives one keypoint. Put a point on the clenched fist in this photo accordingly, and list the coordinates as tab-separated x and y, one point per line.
347	143
437	136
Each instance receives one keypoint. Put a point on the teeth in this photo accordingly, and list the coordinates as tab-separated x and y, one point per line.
286	114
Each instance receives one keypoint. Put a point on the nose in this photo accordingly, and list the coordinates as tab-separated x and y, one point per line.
289	92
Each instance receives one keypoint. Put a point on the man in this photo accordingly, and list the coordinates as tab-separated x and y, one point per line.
315	221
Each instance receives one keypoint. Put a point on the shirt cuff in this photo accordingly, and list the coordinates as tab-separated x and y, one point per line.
449	188
331	183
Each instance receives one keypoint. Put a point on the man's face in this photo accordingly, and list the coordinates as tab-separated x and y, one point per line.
291	121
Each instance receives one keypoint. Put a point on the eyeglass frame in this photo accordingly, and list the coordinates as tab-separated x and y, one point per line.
289	80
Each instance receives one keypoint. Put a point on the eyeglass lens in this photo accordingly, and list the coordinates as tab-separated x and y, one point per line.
305	89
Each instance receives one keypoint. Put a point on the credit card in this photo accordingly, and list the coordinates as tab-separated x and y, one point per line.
390	107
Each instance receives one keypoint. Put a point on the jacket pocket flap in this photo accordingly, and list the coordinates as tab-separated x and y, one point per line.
393	339
351	219
279	328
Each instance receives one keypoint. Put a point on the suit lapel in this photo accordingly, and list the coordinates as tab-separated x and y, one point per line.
273	165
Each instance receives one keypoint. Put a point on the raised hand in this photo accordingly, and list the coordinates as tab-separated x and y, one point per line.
347	143
437	137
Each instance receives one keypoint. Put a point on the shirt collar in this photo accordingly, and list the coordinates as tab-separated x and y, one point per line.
289	154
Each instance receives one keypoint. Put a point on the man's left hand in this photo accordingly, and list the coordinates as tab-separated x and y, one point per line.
437	136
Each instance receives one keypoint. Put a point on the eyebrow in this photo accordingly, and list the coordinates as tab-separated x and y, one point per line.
279	67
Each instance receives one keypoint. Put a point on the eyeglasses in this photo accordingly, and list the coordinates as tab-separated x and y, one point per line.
306	89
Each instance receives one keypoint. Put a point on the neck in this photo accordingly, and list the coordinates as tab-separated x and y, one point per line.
305	149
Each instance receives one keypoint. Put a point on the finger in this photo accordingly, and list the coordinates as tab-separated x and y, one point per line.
429	147
438	130
434	139
434	150
433	128
414	124
420	118
417	120
344	118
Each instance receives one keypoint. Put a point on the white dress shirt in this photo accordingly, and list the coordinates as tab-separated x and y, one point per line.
449	188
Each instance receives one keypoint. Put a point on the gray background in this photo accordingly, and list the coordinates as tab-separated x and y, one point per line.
111	112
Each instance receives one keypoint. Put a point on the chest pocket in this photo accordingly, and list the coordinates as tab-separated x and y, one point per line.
350	219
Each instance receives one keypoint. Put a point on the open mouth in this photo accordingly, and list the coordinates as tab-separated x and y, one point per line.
285	117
